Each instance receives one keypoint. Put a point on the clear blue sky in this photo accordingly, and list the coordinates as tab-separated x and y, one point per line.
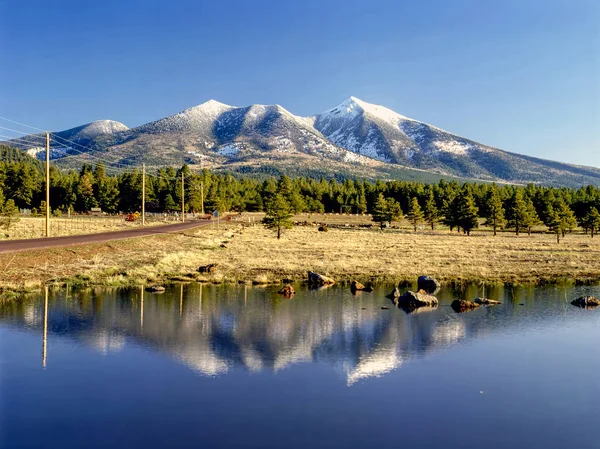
522	75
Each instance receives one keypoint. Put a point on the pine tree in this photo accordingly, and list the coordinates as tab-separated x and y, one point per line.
517	212
554	223
495	211
431	211
380	211
10	215
85	192
567	217
450	211
467	213
415	213
278	214
591	221
170	203
385	211
531	218
296	201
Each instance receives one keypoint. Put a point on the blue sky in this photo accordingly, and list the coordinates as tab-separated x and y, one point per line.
523	75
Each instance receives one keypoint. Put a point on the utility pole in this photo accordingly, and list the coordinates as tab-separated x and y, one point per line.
47	184
143	194
202	191
182	199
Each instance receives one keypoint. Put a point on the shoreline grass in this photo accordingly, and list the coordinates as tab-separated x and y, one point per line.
246	252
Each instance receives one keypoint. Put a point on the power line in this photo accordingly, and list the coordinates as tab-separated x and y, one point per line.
15	131
22	141
22	124
88	153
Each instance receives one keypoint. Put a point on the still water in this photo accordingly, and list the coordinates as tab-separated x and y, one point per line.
204	366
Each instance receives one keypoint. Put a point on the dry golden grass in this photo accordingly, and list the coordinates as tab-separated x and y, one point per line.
252	253
34	227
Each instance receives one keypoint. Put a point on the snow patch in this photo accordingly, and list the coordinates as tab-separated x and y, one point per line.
230	150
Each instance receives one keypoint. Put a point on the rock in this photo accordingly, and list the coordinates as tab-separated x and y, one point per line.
316	279
384	307
323	229
211	268
287	291
356	286
155	289
586	301
486	302
411	301
368	288
395	294
460	305
428	284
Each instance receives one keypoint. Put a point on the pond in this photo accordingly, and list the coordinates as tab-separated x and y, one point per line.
241	366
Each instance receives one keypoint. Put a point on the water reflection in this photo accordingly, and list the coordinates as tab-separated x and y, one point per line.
213	330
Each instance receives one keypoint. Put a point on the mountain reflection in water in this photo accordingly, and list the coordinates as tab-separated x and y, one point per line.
213	330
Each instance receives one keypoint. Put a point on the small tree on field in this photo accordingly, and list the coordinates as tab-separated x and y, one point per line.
591	222
278	214
568	219
10	215
386	210
415	214
554	223
532	217
432	214
495	211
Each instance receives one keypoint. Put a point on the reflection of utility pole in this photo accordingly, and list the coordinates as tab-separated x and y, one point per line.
44	340
47	185
141	305
245	293
180	300
200	303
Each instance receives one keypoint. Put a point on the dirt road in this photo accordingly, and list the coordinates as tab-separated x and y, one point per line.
71	240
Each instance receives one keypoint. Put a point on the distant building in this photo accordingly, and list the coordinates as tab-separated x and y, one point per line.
96	211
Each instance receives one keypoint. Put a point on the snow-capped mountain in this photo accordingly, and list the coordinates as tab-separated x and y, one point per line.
354	138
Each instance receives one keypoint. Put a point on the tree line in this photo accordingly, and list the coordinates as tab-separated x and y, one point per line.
450	203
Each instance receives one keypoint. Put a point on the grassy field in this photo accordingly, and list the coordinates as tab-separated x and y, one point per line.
245	251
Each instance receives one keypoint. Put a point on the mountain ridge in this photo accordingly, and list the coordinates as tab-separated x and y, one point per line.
355	137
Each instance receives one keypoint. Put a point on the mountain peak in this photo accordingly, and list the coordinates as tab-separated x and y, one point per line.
99	127
210	107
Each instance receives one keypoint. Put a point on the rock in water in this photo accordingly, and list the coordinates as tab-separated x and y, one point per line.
586	301
316	279
155	289
428	284
287	291
356	286
486	302
395	294
411	301
460	305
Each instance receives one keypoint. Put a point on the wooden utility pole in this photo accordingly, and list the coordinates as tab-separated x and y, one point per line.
182	199
47	184
202	192
143	194
45	336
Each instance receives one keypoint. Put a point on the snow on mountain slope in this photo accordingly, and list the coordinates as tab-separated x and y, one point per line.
356	135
